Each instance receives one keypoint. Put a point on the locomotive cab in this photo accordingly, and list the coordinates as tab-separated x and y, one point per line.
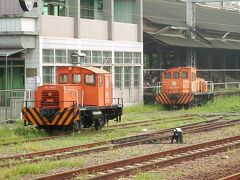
180	86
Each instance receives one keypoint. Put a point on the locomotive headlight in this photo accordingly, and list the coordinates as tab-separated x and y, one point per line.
174	83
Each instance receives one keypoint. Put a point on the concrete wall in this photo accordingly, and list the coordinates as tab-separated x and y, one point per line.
93	29
17	24
125	32
10	7
57	26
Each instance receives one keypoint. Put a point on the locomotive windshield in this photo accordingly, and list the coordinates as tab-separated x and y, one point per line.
76	78
176	75
63	79
184	75
167	75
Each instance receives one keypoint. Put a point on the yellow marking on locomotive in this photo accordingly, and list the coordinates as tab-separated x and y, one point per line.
64	116
28	117
44	119
36	116
57	116
71	116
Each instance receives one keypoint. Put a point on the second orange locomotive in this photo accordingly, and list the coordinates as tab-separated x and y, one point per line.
81	97
180	86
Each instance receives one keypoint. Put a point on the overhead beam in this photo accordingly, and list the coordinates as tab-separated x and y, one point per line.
202	1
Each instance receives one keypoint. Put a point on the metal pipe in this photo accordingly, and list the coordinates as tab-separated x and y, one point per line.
6	71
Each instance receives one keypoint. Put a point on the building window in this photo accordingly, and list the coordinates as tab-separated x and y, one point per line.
137	58
87	9
48	55
127	76
107	68
118	77
127	57
123	11
53	7
97	57
107	57
88	57
136	74
118	57
71	58
48	74
60	56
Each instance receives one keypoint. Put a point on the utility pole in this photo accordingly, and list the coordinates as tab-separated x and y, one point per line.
191	22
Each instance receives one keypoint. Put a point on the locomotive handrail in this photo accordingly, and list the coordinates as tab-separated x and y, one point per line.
118	101
26	102
211	85
27	91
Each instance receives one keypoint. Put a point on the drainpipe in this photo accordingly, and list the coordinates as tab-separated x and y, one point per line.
6	72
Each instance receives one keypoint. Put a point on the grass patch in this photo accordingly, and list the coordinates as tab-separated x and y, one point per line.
157	175
220	104
42	167
28	131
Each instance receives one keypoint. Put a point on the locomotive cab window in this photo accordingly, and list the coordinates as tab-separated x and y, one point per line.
184	75
176	75
76	78
167	75
90	79
63	79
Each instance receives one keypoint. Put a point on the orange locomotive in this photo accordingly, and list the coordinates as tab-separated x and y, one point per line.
81	97
181	87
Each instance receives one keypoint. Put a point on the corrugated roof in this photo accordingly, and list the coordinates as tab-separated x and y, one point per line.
181	41
173	12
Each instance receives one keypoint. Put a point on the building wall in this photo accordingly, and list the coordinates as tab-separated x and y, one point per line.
10	7
132	92
92	31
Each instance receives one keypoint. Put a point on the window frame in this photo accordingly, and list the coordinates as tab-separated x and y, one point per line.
61	75
186	77
176	73
74	79
91	84
167	73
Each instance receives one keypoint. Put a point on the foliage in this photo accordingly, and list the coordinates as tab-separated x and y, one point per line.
28	131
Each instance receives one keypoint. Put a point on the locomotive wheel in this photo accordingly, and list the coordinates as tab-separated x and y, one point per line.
98	124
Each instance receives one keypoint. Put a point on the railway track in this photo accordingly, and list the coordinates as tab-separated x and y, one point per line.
151	161
111	127
232	177
107	145
122	126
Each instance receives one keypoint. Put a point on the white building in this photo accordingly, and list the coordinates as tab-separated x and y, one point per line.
34	43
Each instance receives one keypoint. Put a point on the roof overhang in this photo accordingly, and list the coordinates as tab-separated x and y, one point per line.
181	41
9	52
